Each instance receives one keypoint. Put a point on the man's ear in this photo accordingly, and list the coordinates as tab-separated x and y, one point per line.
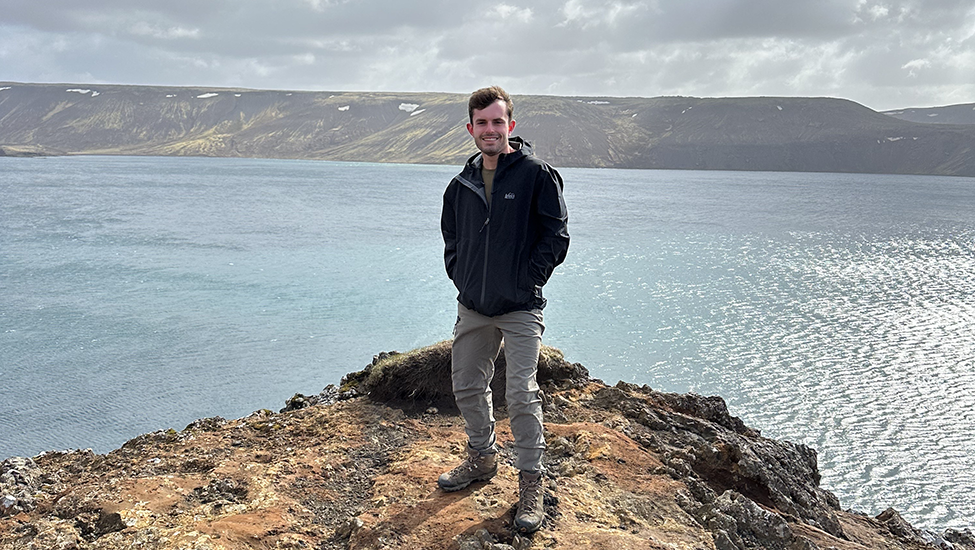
470	128
511	126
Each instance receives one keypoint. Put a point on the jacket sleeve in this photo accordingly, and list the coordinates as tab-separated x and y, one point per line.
552	220
448	226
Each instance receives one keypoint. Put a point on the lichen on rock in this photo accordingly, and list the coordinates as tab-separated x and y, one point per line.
20	478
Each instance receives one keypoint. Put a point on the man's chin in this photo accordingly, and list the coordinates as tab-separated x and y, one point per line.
491	151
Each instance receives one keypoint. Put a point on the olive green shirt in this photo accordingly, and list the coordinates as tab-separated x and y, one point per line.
488	177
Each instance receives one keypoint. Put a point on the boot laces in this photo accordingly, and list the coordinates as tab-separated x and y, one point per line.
468	466
529	494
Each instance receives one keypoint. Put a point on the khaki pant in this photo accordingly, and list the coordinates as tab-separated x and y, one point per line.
477	341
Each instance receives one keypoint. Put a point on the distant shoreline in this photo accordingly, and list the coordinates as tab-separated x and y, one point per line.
28	151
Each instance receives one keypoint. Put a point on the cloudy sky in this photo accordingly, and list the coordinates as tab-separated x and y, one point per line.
882	53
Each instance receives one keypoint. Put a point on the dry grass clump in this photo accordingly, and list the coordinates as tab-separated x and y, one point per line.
423	375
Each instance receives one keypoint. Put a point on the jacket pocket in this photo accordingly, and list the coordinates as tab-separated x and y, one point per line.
526	288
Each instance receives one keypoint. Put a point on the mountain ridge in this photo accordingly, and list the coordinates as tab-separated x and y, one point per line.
749	133
963	113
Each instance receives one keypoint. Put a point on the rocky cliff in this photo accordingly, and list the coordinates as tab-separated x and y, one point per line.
355	467
758	133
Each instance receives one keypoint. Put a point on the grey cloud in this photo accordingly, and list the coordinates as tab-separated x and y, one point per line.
710	20
873	51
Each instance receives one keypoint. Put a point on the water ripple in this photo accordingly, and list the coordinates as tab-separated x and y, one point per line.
873	343
860	348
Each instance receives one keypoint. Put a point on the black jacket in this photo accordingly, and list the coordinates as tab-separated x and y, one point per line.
499	258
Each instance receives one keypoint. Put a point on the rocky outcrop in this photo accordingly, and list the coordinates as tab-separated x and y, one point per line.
756	471
356	466
423	376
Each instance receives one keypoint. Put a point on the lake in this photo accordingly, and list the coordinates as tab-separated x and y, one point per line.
834	310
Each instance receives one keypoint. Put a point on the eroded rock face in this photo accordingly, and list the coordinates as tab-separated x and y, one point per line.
723	453
960	539
738	522
355	467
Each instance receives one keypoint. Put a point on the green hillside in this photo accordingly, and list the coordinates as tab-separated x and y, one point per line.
755	133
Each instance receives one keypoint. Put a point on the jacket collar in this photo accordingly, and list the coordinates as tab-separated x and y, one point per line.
522	148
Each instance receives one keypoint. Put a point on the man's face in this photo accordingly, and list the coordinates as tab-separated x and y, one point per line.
490	128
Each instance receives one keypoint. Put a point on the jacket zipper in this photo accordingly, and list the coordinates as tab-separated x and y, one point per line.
487	240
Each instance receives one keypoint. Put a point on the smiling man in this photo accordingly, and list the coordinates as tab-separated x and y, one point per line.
504	229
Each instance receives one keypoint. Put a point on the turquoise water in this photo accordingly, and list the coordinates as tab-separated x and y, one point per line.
835	310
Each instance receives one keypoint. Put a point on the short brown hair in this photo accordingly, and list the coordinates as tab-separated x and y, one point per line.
484	97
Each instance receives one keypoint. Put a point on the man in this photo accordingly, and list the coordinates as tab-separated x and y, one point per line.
504	229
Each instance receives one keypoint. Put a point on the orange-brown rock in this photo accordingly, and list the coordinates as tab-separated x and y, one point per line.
361	474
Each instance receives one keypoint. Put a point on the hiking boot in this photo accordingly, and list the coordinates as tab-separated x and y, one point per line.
531	504
478	466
